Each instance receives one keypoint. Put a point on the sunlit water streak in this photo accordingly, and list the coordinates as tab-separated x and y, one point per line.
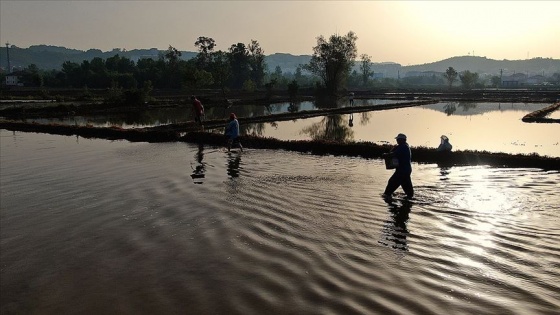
102	227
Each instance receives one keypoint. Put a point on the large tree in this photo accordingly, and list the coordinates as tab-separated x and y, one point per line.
205	47
365	68
450	76
221	69
333	59
257	62
240	65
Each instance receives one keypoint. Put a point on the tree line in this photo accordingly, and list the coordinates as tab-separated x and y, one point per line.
330	72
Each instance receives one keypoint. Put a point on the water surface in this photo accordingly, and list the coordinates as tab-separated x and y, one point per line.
107	227
493	127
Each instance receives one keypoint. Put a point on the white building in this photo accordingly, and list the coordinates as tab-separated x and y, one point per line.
12	80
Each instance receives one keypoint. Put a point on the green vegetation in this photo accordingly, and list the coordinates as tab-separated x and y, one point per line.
330	71
332	61
450	76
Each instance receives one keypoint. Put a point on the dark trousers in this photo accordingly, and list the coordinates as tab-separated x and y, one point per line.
400	179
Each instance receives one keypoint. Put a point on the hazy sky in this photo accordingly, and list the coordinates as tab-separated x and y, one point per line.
407	32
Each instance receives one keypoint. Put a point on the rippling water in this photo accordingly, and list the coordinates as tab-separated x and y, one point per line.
102	227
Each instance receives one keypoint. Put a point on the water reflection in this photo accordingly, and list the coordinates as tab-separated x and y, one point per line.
255	129
466	106
199	171
395	231
155	116
484	128
233	161
444	172
325	102
450	108
351	120
332	128
294	107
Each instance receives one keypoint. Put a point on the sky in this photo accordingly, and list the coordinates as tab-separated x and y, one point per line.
406	32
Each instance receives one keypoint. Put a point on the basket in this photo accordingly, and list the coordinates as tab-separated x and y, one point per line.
391	162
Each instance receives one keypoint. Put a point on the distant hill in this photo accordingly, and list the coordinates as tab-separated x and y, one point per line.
483	65
52	57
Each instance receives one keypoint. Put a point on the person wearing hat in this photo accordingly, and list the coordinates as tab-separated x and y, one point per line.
232	132
444	145
401	176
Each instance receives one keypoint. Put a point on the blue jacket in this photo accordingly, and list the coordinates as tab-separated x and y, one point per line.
403	154
232	129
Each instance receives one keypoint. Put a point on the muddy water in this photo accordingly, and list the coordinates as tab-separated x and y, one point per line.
112	227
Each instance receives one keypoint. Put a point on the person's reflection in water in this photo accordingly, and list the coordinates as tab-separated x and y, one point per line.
395	231
443	171
233	164
199	170
351	120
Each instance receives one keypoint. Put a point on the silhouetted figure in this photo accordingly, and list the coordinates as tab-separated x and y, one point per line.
351	98
403	169
232	132
444	145
198	111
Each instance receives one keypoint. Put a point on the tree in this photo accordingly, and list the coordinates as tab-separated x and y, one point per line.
293	89
220	69
333	59
240	66
256	62
31	76
72	74
468	79
450	76
172	74
277	73
172	55
365	68
496	81
205	47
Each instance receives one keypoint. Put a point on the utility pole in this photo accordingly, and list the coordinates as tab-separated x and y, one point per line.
501	75
8	56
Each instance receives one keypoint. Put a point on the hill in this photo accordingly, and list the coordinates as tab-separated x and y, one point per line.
52	57
483	65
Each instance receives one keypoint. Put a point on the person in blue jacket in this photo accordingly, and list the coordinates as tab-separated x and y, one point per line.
401	176
232	132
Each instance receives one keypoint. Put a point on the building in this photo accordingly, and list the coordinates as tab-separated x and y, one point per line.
536	80
12	79
514	80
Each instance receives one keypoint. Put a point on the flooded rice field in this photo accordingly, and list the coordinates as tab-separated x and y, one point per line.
113	227
493	127
554	115
173	115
